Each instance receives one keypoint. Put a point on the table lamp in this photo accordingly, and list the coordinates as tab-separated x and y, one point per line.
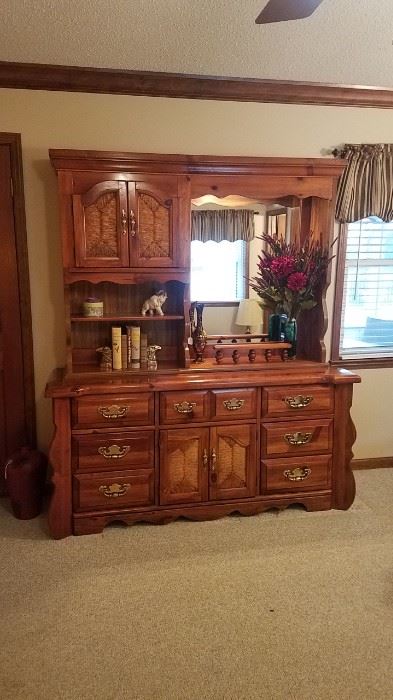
248	314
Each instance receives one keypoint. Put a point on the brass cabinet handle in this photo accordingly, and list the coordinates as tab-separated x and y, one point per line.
213	463
205	459
123	222
233	404
114	451
184	407
114	490
112	411
297	438
298	401
132	223
297	474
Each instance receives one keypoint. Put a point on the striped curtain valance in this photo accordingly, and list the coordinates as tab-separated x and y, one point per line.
222	225
365	187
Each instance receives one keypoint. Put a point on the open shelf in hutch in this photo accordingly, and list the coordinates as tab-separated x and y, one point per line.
122	307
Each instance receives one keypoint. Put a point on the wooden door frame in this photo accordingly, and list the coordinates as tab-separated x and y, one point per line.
13	141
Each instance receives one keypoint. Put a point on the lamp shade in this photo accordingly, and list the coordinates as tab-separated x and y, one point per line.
249	313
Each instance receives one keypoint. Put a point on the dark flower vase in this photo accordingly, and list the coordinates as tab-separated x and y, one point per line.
277	324
290	335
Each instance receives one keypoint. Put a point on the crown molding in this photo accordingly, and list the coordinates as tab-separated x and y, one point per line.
38	76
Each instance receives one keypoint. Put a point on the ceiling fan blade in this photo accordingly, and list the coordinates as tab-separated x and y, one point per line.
283	10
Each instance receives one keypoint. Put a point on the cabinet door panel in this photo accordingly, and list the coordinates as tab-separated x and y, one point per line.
183	465
154	222
232	462
100	225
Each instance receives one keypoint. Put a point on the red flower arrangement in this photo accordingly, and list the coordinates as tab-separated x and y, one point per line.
290	275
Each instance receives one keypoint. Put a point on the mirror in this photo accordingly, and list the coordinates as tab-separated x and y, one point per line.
220	268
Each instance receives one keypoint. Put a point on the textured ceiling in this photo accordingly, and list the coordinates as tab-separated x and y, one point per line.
344	41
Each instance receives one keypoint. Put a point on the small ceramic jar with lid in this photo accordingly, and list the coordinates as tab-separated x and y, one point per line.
93	307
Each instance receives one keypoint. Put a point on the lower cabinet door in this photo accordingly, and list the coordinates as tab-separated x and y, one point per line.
184	465
232	462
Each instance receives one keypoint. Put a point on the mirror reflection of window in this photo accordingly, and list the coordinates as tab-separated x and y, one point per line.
218	270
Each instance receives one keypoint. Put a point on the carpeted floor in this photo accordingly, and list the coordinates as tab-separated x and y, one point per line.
296	605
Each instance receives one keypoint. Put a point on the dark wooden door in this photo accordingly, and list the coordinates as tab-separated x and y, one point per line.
232	462
17	426
184	465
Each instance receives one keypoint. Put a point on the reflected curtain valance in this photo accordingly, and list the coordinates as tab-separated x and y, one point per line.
222	225
365	187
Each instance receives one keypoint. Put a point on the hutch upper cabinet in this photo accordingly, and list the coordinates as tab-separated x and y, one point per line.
124	220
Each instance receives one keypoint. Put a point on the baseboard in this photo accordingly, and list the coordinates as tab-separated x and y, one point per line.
372	463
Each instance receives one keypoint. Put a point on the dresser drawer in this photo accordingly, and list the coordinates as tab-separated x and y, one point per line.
113	490
130	410
297	400
228	404
291	474
297	437
94	453
184	406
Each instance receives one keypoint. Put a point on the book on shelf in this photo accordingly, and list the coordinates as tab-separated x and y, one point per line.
133	347
116	347
124	350
143	349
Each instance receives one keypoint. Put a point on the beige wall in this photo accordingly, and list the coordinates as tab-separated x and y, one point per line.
68	120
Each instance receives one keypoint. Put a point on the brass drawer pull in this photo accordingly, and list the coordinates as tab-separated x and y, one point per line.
233	404
297	474
184	407
298	401
114	490
113	411
297	438
205	459
114	451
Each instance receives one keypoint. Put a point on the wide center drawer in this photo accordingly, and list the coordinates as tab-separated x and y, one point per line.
126	409
113	490
297	400
216	404
93	453
297	437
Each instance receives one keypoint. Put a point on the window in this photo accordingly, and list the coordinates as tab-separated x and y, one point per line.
218	271
367	308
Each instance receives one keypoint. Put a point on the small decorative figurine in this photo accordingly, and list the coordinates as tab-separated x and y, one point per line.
151	356
154	303
106	357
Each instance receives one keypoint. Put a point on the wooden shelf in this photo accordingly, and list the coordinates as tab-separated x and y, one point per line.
124	318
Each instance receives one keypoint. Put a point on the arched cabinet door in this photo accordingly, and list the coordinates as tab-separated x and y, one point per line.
154	222
101	225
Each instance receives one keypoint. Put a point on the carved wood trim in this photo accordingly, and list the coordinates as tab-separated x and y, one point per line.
39	76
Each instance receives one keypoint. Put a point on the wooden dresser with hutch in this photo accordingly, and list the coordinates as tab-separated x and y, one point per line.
193	440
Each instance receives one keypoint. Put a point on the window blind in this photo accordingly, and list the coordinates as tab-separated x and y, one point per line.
367	314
